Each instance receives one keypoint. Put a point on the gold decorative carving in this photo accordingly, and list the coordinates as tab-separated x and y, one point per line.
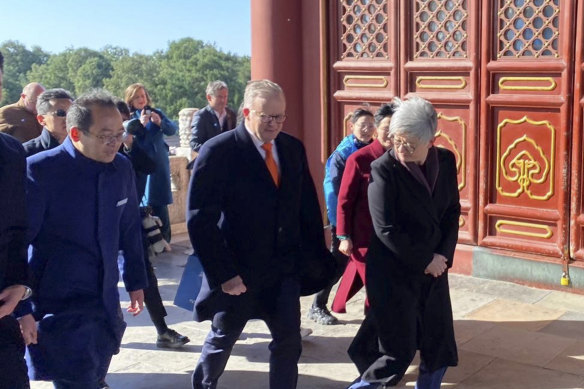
460	221
527	167
460	155
546	234
347	81
346	120
551	87
420	85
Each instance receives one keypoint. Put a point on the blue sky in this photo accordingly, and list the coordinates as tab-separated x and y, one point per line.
140	26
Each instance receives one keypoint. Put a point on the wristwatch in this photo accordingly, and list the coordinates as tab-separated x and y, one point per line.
343	237
27	292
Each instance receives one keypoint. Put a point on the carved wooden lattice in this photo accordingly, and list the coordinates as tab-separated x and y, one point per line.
364	28
528	28
440	28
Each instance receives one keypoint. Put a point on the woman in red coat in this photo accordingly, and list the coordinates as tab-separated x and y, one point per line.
354	226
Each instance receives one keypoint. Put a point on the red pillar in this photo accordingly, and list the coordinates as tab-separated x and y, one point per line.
276	53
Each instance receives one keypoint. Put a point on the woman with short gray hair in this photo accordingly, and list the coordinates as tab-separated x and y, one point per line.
414	204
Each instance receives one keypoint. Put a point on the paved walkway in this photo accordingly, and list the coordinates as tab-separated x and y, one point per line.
509	336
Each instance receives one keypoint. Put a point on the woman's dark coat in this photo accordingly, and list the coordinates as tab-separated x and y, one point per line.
412	310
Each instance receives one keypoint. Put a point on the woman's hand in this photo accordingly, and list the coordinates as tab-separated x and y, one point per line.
437	266
156	119
145	117
346	246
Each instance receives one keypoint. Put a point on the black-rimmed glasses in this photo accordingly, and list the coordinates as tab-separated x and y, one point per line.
268	118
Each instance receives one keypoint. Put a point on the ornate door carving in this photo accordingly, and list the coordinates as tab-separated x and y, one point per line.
525	125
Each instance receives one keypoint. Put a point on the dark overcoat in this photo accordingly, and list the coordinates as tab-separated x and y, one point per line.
240	223
206	125
412	310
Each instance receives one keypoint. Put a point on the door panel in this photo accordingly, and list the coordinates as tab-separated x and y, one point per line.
438	64
525	125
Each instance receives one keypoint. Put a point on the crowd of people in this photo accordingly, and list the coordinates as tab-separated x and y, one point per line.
79	179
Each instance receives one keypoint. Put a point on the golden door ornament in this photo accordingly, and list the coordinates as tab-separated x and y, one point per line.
460	155
524	162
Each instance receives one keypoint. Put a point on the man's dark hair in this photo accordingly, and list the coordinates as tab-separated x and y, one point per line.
359	113
386	110
43	105
1	62
79	115
123	108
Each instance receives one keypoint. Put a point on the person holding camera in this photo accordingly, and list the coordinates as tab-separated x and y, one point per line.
157	193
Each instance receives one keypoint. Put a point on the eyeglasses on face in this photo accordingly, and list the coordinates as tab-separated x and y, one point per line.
107	139
400	142
268	118
60	113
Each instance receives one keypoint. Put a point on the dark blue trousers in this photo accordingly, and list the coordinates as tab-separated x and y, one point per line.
13	371
279	307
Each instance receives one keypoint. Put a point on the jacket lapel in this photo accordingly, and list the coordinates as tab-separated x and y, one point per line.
251	157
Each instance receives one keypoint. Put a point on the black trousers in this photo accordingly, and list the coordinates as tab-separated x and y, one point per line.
321	298
152	298
13	370
279	307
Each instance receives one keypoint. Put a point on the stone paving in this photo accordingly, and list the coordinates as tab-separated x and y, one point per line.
509	336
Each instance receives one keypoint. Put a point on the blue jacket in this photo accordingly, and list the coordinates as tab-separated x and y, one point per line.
81	213
152	142
333	173
13	267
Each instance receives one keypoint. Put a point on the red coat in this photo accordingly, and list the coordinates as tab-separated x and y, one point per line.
354	219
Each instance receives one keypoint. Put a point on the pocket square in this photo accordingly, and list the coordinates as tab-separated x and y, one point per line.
122	202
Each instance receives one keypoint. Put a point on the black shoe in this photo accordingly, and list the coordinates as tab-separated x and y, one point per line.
171	339
321	316
103	385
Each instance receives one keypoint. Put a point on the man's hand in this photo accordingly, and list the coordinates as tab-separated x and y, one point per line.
28	328
234	286
346	246
136	302
437	266
9	299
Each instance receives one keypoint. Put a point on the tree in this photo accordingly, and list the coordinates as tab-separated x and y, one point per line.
18	60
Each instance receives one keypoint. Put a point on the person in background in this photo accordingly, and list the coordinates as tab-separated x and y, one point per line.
362	132
20	119
52	107
354	228
157	193
167	337
415	208
14	280
215	118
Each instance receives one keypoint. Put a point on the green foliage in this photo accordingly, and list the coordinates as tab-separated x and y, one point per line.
18	60
175	78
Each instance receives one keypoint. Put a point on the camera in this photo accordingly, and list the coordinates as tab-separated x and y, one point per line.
134	127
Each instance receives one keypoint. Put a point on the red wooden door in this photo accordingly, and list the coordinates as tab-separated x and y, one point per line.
439	41
525	125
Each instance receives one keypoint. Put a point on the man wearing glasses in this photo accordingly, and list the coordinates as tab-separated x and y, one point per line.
19	119
83	209
52	107
254	221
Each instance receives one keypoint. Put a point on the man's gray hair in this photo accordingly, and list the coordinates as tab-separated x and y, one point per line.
415	118
79	115
260	88
215	86
43	105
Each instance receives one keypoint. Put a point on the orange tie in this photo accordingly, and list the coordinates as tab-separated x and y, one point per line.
271	164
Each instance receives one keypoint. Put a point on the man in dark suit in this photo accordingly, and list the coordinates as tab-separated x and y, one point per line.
255	222
215	118
13	266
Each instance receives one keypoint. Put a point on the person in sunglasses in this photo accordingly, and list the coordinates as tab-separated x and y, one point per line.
52	106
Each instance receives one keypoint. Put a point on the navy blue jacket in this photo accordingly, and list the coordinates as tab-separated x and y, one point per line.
240	223
81	213
13	266
206	125
45	141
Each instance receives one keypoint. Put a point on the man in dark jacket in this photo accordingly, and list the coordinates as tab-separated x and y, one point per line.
255	223
215	118
13	267
52	107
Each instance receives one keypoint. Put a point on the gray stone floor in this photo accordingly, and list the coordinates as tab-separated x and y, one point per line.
509	336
